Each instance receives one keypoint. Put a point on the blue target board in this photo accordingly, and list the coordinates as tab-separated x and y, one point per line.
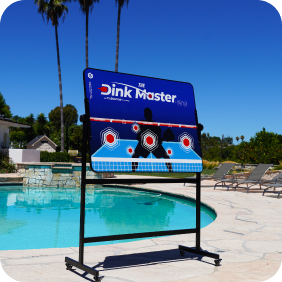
141	124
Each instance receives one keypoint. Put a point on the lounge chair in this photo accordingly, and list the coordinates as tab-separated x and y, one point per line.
276	182
254	178
221	172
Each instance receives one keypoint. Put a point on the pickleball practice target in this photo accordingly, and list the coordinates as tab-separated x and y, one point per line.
141	124
149	140
186	141
110	138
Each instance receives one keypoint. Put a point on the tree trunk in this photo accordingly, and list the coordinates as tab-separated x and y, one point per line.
86	38
61	93
221	146
117	45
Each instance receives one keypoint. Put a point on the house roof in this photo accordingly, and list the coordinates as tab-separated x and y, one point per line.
37	139
11	123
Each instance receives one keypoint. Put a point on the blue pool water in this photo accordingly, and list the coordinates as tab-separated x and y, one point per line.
36	218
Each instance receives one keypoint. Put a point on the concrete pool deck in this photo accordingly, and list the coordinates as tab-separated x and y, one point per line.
247	234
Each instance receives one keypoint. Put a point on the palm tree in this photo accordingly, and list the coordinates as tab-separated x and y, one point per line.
242	137
237	138
54	10
120	5
86	6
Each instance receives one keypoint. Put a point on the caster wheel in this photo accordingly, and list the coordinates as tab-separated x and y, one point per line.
69	266
217	262
97	279
182	253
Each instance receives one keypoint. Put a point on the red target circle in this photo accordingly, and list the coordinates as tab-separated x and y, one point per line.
150	96
110	138
149	140
135	127
186	142
130	150
169	152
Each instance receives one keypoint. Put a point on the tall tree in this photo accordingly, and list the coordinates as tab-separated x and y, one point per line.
120	5
54	10
86	6
4	108
242	137
70	118
41	125
237	138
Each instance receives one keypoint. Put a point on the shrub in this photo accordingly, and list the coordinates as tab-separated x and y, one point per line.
6	164
54	157
278	167
209	165
265	147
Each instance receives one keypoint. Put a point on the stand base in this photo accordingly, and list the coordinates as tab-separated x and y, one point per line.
70	263
184	249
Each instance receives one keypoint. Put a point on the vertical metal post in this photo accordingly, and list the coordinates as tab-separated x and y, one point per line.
198	211
198	192
82	196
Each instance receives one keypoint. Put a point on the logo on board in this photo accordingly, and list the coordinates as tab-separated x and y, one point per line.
117	89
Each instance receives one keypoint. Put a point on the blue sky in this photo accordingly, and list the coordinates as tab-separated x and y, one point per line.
229	50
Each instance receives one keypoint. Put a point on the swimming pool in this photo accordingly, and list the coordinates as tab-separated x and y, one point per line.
36	218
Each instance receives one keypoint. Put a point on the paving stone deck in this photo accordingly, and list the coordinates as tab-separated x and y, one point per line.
247	234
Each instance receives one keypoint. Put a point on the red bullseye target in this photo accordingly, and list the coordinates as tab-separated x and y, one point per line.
149	140
169	152
186	142
129	150
135	127
109	138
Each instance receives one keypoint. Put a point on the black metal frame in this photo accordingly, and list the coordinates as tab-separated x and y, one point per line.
82	240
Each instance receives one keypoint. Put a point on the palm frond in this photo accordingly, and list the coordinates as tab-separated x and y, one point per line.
121	2
87	5
52	9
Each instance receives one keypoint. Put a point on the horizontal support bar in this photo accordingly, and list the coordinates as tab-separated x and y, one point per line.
201	253
138	235
139	180
82	267
124	121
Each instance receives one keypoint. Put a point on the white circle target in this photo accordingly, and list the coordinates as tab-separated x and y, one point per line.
186	141
149	140
109	138
135	127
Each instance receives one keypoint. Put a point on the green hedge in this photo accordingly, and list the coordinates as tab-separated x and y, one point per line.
54	157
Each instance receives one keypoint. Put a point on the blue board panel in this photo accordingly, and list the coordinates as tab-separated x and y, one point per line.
141	124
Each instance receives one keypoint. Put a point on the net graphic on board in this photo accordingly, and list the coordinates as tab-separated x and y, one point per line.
139	130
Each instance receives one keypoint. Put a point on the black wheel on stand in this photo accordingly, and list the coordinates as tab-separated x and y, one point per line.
217	262
69	266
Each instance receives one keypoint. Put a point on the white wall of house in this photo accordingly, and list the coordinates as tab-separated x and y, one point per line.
24	155
43	144
3	129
